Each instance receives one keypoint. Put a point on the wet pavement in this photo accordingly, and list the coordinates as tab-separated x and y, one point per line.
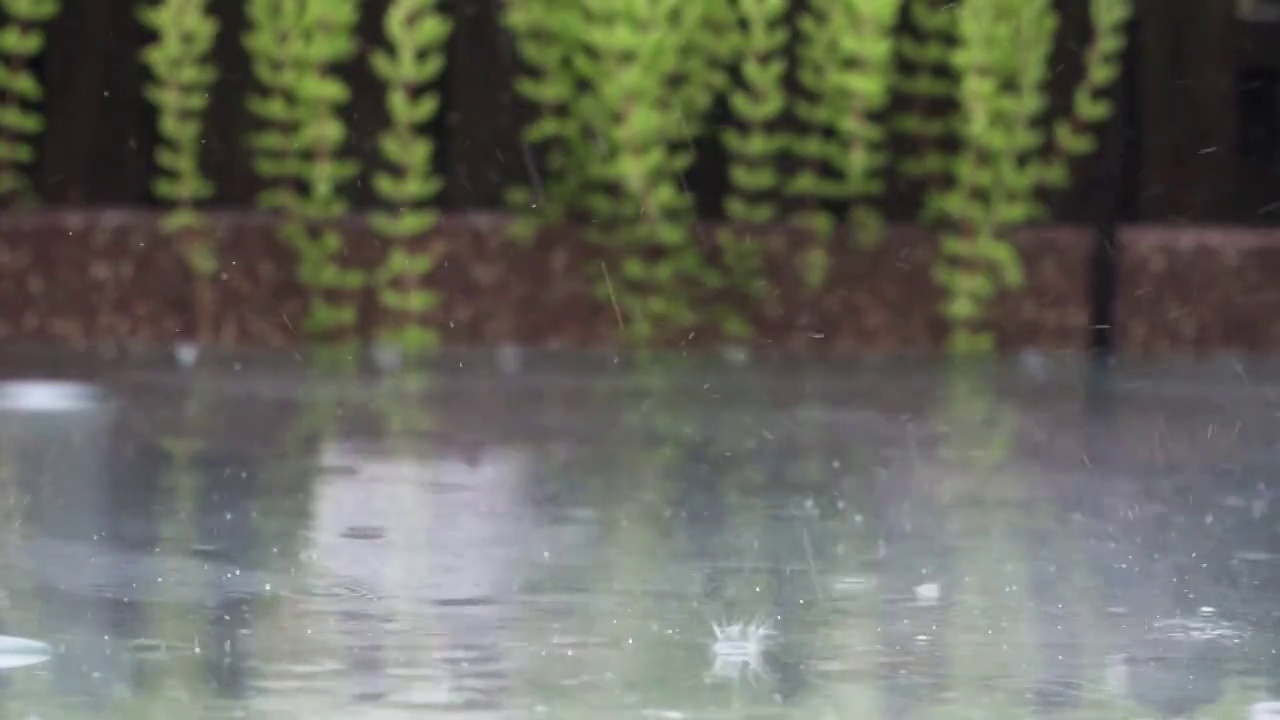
514	535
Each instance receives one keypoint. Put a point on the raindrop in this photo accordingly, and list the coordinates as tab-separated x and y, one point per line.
186	353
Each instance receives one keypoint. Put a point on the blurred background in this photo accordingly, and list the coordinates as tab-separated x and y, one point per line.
1137	206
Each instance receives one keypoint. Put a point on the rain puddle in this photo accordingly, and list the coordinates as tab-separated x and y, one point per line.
721	544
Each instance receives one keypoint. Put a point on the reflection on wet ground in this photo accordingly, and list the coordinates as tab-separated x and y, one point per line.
575	537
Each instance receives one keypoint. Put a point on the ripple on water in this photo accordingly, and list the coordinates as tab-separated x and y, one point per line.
1205	627
1265	711
1257	556
16	652
49	396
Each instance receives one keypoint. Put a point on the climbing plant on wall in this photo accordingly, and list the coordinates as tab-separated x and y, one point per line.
845	66
620	87
1007	157
569	125
973	79
296	48
21	41
755	142
663	271
182	75
623	87
271	41
410	63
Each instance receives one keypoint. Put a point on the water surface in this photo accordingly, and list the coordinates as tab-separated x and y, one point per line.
528	536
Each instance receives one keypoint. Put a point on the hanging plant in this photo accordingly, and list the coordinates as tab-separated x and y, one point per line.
755	144
182	75
296	48
845	67
410	64
21	41
558	44
327	39
620	87
570	126
711	39
641	81
1006	158
271	42
1075	136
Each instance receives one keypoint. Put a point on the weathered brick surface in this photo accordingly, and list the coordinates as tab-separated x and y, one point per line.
1197	290
83	276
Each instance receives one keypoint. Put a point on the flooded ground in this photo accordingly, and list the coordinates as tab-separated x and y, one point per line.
545	536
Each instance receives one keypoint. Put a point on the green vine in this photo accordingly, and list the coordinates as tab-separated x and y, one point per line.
271	42
755	143
758	104
628	41
711	40
21	40
1000	172
551	38
182	76
560	44
296	46
844	66
620	87
1090	107
416	33
643	82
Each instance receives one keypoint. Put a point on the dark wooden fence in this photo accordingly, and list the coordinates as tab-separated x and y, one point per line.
1197	138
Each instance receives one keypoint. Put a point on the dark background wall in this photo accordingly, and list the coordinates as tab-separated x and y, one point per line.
1197	137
